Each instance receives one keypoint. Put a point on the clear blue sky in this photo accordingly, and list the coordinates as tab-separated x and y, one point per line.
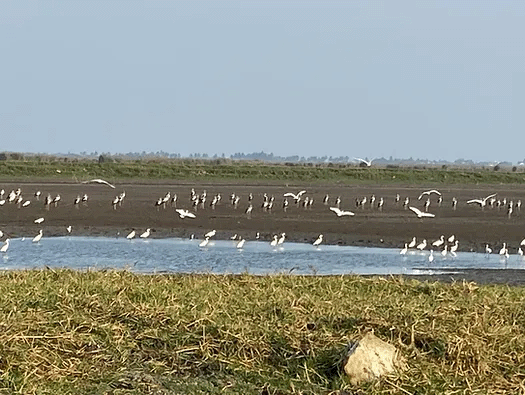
422	79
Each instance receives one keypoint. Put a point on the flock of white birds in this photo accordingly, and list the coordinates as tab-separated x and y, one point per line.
420	207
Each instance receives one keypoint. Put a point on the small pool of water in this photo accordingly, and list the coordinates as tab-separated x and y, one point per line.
176	255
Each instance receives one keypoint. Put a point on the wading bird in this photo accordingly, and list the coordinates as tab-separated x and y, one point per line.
5	246
318	241
37	238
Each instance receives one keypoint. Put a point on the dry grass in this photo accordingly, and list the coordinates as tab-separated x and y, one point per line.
119	333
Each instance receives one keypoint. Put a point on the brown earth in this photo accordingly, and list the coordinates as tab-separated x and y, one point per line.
391	226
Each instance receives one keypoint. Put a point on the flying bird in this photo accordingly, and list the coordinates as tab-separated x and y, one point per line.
421	214
341	213
99	181
428	193
481	202
294	196
368	163
183	213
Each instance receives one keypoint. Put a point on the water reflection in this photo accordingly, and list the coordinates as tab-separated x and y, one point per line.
222	256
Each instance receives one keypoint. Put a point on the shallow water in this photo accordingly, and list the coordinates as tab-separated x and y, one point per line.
221	256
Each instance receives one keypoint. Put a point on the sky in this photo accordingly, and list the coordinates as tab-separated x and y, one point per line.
437	80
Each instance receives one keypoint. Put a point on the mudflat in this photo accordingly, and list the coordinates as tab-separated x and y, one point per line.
391	225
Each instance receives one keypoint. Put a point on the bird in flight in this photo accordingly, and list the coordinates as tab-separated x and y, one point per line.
294	196
421	214
428	193
368	163
99	181
185	213
341	213
481	202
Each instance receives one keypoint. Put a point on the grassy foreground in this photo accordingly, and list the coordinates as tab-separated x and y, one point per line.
116	332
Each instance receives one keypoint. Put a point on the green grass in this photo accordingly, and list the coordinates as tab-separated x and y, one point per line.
209	170
114	332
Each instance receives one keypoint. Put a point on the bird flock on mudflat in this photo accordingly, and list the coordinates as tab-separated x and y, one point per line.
425	207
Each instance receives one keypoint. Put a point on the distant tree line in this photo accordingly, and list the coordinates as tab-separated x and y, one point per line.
254	156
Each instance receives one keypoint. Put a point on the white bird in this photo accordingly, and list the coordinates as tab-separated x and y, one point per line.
444	251
281	239
69	228
37	238
431	256
421	246
503	249
412	243
99	181
131	235
274	241
146	233
421	214
404	250
294	196
5	246
522	242
520	251
368	163
451	239
428	193
26	203
240	244
183	213
481	202
440	242
39	220
211	233
318	241
114	202
205	242
454	248
488	250
56	199
341	213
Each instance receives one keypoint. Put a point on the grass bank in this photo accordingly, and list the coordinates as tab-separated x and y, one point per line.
70	332
214	170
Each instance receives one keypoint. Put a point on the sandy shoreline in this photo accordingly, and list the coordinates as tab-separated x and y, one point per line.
389	226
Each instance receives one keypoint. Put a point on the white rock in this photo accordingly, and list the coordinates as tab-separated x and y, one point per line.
371	358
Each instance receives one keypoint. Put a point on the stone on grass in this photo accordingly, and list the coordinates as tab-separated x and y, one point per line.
371	358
